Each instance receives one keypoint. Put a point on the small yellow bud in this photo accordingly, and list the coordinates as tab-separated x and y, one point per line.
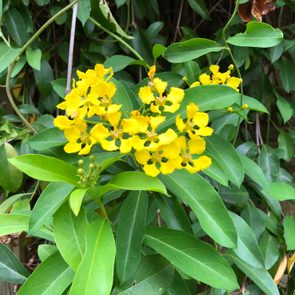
80	162
92	158
184	78
230	109
92	166
80	171
231	67
245	106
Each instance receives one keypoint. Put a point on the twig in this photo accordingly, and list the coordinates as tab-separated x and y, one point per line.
178	21
71	48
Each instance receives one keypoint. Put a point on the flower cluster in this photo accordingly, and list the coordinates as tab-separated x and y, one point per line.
156	149
218	78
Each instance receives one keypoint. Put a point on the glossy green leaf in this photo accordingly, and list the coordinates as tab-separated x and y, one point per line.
269	247
52	277
59	86
200	8
173	214
289	232
178	286
269	162
253	171
130	234
254	104
284	108
48	203
286	146
234	195
47	139
11	269
247	248
11	178
45	168
6	205
213	97
282	191
190	49
227	157
140	181
10	224
153	276
7	55
158	50
76	199
84	9
257	34
15	24
285	69
259	276
118	62
45	251
94	275
34	58
69	232
192	256
205	203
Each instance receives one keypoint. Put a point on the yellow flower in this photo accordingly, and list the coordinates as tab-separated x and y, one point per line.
162	160
113	138
245	106
149	139
189	149
205	79
195	124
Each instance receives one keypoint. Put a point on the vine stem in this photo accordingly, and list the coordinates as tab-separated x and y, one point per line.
224	30
23	49
117	38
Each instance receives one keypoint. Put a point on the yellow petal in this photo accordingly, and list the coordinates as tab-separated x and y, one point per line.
152	72
175	95
114	118
99	132
180	142
170	151
196	146
72	147
233	82
142	157
202	162
151	170
138	143
62	122
204	131
167	168
72	134
126	145
195	84
205	79
160	85
146	95
214	69
155	108
113	108
179	123
172	108
167	137
156	121
109	145
201	119
191	109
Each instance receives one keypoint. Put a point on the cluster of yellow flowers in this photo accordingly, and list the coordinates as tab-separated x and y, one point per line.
158	152
218	78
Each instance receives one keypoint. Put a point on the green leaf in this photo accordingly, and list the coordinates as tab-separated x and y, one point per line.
254	104
173	214
130	234
5	205
52	277
153	276
69	232
212	97
227	157
190	49
257	34
254	172
11	178
178	286
45	251
140	181
11	269
59	86
285	68
118	62
101	12
192	256
158	50
48	203
259	276
84	9
289	232
16	26
200	8
281	191
47	139
10	224
205	203
247	248
7	56
76	199
94	275
286	146
269	162
34	58
284	108
45	168
122	97
269	247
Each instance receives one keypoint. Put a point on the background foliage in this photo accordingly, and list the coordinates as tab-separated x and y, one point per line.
229	228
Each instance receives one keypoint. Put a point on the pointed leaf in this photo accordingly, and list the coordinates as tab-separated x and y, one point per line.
282	191
10	224
7	55
289	232
205	203
76	199
192	256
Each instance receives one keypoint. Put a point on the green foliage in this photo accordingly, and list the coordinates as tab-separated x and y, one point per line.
102	226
